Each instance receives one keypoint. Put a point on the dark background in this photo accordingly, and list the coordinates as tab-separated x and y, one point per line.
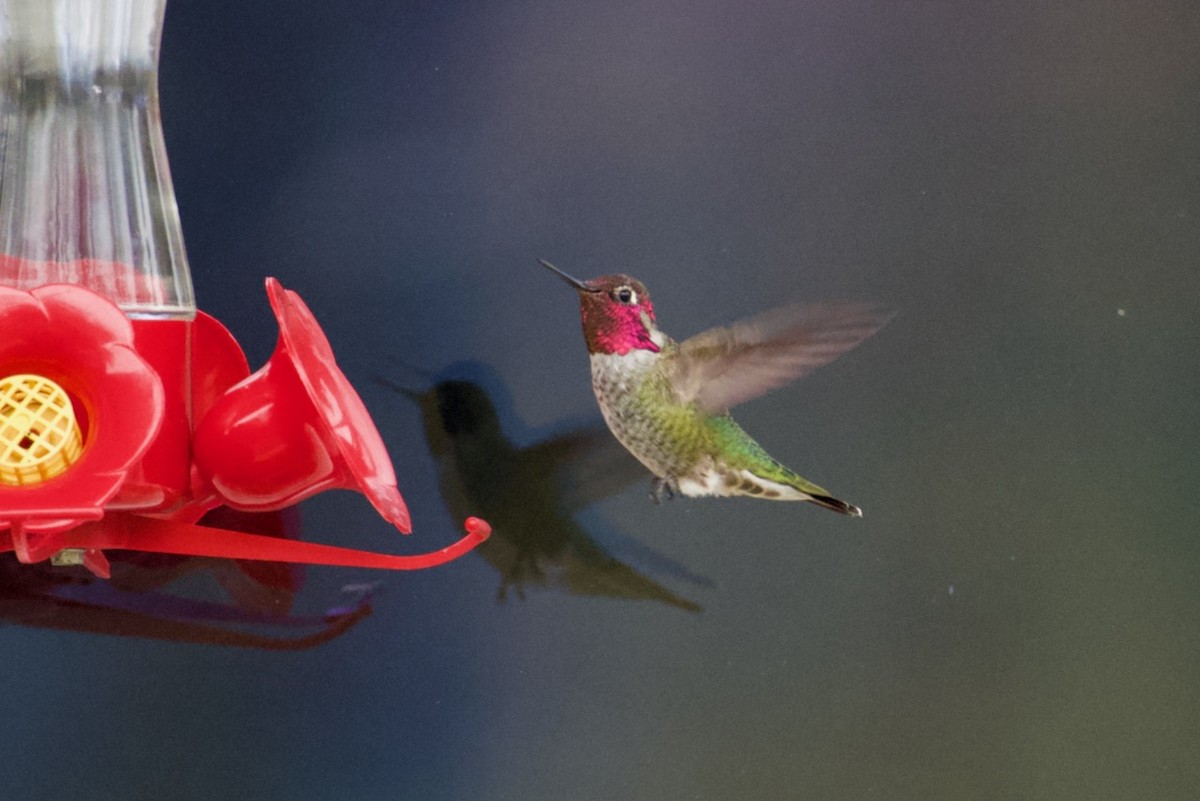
1015	616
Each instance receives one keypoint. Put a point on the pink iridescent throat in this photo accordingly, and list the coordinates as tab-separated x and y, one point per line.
609	328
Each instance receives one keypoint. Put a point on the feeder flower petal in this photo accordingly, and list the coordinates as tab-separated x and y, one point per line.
343	415
80	342
294	428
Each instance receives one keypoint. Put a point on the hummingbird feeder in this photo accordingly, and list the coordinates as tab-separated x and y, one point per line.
125	413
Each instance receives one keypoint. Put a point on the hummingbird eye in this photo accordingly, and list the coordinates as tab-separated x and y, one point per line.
624	294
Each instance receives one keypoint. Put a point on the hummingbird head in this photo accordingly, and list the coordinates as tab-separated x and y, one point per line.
616	313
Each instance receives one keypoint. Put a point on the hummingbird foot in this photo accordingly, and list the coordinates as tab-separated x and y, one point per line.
664	486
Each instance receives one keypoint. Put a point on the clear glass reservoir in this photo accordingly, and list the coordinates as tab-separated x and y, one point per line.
85	192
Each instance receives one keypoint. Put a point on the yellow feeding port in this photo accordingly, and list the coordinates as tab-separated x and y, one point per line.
39	436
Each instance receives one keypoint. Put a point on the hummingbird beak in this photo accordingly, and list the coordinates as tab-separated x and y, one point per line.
573	281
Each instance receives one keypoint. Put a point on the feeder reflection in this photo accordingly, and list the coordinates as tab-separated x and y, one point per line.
529	494
142	597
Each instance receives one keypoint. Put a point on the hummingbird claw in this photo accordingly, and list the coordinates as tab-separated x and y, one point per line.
663	486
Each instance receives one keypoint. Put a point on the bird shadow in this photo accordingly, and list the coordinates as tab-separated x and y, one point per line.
532	494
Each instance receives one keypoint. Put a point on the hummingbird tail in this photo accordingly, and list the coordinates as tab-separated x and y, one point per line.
830	502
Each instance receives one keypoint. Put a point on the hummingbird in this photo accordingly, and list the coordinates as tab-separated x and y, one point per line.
668	402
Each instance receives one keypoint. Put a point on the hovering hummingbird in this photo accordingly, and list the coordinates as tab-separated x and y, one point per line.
667	402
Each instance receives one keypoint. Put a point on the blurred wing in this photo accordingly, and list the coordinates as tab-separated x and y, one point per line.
723	367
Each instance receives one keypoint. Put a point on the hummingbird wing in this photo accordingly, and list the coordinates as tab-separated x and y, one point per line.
725	366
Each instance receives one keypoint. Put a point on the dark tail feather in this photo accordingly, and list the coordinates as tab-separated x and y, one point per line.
838	506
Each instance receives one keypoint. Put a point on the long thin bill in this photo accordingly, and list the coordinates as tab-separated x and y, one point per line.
570	279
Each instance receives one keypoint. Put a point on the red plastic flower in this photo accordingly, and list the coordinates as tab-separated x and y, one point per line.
82	342
295	428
